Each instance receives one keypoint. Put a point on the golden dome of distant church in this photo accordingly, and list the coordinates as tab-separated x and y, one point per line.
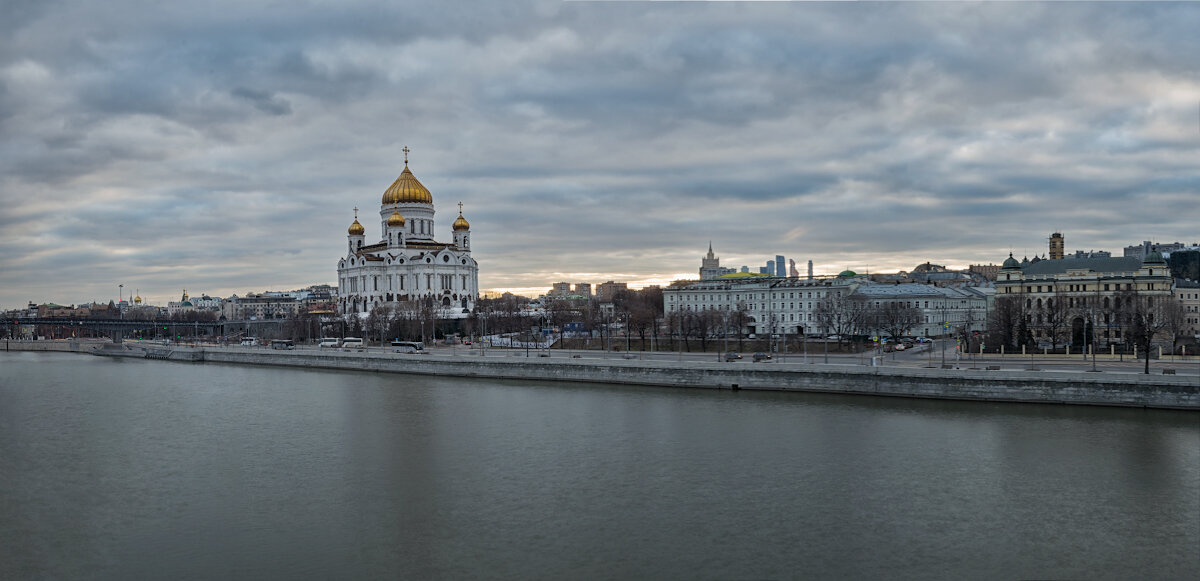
395	219
407	189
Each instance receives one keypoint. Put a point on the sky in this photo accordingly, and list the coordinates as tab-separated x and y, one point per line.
221	147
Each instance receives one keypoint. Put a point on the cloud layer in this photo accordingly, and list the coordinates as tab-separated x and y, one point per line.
220	148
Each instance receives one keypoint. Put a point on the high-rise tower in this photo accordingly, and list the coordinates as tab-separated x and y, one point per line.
1057	246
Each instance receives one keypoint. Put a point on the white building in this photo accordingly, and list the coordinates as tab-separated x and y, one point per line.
792	305
407	264
786	304
944	310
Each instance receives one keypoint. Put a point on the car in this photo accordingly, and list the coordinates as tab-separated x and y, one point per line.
760	356
732	356
249	341
900	347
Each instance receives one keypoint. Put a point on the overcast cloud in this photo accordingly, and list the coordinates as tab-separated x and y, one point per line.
221	147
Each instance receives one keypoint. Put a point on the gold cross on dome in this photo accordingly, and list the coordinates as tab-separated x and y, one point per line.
460	208
356	212
405	150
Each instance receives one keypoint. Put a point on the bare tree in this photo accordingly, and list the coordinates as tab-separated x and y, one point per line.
897	318
841	314
1054	315
1007	322
1144	317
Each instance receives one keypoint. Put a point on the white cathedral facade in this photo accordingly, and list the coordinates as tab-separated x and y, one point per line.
407	267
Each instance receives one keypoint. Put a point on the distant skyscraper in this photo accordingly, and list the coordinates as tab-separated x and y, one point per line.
770	268
792	272
710	266
810	274
780	266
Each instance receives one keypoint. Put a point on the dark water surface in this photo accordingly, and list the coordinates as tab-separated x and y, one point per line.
133	469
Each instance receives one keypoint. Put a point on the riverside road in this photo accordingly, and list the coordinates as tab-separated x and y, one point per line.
924	356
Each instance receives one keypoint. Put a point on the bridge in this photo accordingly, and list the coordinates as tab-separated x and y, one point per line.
119	328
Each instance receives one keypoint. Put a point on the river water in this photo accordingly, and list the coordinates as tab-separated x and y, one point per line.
134	469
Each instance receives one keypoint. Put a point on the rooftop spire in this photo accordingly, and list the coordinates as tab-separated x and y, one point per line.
405	150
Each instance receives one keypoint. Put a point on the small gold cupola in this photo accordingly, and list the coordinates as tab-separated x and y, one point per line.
395	219
461	223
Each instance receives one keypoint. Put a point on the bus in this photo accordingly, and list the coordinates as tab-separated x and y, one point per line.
283	344
352	343
408	347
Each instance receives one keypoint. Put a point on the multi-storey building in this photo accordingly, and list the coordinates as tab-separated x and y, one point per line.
605	291
408	264
783	304
943	310
1060	297
260	306
1188	294
1142	250
792	306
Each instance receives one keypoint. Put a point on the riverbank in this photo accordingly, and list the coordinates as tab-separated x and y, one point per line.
1018	386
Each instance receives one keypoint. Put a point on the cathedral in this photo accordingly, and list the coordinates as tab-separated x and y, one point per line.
407	266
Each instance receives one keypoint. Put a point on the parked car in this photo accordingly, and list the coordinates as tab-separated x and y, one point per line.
732	356
249	341
760	356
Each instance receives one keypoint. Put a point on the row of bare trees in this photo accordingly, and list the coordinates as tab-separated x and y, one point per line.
1140	320
845	315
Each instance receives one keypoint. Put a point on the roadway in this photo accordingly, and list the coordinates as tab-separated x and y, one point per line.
921	356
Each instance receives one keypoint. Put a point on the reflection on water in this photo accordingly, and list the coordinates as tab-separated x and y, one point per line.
145	469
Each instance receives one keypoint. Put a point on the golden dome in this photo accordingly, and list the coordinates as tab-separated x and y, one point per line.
395	219
407	190
137	299
461	223
356	229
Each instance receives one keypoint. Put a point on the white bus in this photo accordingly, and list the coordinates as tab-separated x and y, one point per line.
352	343
408	347
282	344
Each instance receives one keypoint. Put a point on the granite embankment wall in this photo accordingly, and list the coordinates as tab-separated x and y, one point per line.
1181	392
53	345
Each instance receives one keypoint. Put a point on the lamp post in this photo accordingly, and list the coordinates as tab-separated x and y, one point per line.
626	331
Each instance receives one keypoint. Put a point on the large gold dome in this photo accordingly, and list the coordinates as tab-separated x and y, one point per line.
407	190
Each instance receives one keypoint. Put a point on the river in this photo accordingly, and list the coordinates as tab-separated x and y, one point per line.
136	469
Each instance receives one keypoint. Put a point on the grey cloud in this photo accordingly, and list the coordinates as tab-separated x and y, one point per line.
264	101
188	146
